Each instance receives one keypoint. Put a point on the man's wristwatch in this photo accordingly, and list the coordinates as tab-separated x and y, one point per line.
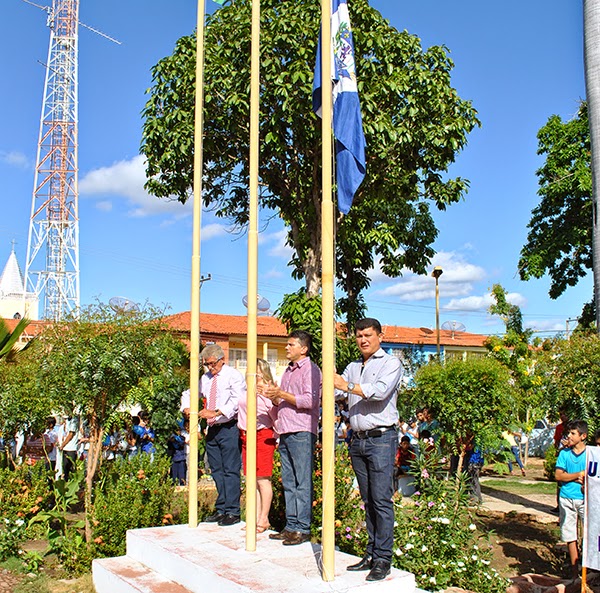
350	387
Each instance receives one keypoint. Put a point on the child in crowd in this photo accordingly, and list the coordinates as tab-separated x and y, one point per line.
146	434
509	436
176	449
405	455
570	472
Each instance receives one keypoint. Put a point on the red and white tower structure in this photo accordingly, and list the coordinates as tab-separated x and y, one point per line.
52	267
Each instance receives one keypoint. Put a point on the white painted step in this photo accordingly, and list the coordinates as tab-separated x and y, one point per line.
125	575
213	559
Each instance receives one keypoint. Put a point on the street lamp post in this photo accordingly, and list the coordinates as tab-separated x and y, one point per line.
437	272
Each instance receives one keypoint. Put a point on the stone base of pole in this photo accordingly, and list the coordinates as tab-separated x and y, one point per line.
179	559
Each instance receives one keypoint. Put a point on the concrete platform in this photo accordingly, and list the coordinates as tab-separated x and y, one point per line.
177	559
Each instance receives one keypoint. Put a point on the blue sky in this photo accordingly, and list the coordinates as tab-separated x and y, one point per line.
519	62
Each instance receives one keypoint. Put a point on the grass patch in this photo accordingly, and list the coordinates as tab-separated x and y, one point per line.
518	487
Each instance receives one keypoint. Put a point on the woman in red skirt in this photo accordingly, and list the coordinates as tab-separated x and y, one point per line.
265	443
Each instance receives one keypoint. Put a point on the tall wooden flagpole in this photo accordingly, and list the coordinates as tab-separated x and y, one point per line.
195	300
252	282
328	318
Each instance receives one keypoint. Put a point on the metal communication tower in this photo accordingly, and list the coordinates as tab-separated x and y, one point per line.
52	268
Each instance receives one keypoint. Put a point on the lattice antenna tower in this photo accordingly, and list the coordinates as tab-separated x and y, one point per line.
52	267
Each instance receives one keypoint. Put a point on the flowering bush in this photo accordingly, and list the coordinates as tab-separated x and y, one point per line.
12	534
130	494
24	491
349	513
350	534
436	538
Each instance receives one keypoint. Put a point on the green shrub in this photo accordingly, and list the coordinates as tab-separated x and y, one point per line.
12	535
24	491
349	512
435	536
130	494
70	547
550	462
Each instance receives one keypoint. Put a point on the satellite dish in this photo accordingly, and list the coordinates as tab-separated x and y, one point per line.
262	304
453	326
426	330
123	305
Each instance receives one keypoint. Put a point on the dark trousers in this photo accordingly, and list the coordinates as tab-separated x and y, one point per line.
373	463
69	460
223	450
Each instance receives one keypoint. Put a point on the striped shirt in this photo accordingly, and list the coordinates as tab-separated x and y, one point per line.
378	378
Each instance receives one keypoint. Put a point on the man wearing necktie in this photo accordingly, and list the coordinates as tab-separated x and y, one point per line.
222	387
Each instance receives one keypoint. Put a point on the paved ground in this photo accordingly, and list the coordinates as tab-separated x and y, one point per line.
9	581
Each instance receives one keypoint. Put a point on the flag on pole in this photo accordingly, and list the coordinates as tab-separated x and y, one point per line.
347	120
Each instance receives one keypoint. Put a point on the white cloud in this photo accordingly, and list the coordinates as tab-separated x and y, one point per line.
125	179
104	205
546	325
210	231
471	303
457	279
482	303
14	159
279	249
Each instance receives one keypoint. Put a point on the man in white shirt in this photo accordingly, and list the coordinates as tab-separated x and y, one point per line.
222	387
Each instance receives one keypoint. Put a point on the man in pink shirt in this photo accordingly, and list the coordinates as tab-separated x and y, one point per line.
298	403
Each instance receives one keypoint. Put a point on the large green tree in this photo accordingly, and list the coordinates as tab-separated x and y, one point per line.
414	123
571	379
559	242
472	400
101	361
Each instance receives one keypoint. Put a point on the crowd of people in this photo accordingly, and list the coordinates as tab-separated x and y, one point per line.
65	440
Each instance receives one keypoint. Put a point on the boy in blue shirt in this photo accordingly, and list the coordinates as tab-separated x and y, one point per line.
570	472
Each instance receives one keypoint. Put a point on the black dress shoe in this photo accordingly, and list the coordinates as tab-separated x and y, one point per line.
296	537
380	570
229	519
365	564
214	518
280	536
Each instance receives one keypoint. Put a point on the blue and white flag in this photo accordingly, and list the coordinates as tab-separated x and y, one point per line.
347	120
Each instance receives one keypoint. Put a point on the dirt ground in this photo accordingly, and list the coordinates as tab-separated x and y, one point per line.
523	529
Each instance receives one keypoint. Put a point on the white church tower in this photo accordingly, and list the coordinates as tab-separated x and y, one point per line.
14	301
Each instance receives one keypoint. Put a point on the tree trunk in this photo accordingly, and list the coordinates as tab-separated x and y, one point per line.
94	452
461	461
591	34
312	275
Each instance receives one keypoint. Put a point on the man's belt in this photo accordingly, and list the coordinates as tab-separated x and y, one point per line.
373	432
227	424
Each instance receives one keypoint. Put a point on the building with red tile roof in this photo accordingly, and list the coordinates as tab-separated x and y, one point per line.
230	332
